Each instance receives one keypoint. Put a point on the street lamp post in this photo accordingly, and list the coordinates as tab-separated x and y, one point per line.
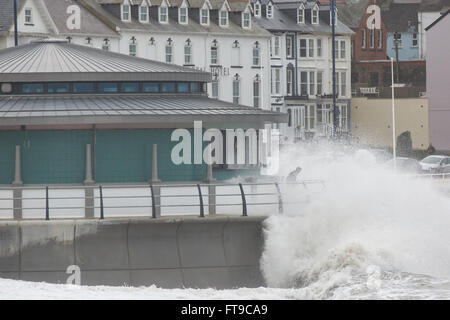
333	53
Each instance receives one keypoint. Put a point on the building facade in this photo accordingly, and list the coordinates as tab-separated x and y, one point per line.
438	78
301	66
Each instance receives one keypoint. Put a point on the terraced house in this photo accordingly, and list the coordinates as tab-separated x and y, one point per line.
217	36
301	65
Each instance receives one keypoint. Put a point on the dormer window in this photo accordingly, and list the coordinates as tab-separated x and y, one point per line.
246	19
204	15
257	10
28	16
143	13
183	14
315	16
269	11
125	11
162	13
301	15
223	18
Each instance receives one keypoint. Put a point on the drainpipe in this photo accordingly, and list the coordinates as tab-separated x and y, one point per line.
16	40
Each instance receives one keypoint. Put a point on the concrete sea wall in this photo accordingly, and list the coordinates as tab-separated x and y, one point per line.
192	252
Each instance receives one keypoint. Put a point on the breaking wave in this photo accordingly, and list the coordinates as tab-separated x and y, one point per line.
369	234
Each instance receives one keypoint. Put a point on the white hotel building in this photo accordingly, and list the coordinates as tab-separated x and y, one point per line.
301	65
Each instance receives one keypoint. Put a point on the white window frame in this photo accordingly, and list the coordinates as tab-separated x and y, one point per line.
257	98
342	49
276	46
122	11
216	47
246	19
416	38
311	117
289	46
132	52
301	17
215	88
30	16
221	12
144	6
236	95
319	84
165	15
315	14
202	11
256	57
186	16
257	10
276	81
309	49
186	45
166	54
319	51
289	81
269	11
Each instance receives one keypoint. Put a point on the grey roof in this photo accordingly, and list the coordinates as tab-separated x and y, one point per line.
352	12
282	22
7	13
173	26
90	25
57	60
119	109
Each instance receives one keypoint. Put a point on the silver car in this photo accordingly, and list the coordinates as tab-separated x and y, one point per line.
436	164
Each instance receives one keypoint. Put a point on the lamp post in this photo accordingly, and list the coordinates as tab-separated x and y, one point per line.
16	40
333	53
394	146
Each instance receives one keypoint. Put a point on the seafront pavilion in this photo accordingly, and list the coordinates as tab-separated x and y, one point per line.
72	114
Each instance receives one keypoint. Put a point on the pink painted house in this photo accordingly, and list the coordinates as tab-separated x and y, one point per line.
438	81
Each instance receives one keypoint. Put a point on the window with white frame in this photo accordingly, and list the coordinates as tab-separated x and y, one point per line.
246	19
343	83
143	12
163	18
183	15
132	47
28	16
319	86
256	91
312	83
169	51
415	41
257	10
236	54
372	39
236	89
269	10
187	52
276	46
306	48
301	15
215	87
105	44
276	81
343	49
289	48
289	81
363	38
319	48
311	48
214	53
380	39
342	119
315	16
256	54
311	117
303	83
204	15
125	10
223	18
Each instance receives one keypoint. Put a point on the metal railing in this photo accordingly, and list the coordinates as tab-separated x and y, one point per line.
154	204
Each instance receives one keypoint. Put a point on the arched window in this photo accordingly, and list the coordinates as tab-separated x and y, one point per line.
133	46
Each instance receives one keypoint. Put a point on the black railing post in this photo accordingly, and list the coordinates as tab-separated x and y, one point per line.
244	201
153	202
280	199
47	210
102	213
202	210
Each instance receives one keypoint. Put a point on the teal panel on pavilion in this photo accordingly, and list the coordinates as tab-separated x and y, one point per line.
126	156
55	156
